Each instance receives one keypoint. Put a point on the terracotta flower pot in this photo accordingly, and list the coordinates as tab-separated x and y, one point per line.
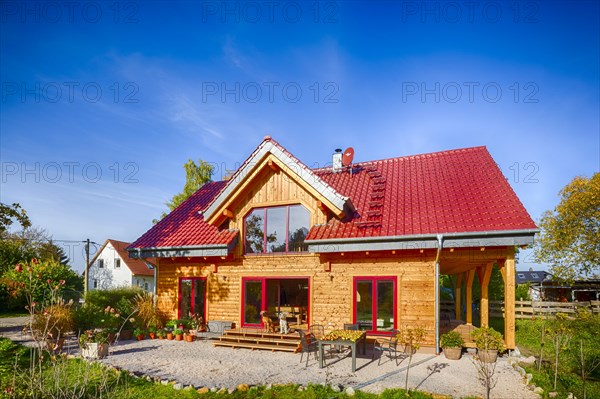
152	335
487	356
179	337
170	336
453	353
189	337
139	337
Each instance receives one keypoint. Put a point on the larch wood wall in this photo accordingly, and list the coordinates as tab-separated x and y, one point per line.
331	292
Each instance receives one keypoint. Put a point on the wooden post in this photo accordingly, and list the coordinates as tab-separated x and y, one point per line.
457	295
469	299
509	299
484	305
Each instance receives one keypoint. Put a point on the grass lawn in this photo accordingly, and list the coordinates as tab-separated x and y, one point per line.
13	314
529	341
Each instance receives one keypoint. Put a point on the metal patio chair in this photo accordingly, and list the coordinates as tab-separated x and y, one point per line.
388	345
309	344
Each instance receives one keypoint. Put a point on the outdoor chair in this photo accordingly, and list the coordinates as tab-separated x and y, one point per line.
317	331
389	345
309	344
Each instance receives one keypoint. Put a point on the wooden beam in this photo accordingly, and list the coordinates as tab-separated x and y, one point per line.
509	299
228	213
214	267
273	166
484	274
321	206
469	299
327	266
457	296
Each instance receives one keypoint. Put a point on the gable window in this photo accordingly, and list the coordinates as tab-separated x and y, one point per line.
95	283
100	263
276	229
117	263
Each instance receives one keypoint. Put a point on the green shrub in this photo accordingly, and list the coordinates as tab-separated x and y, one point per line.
451	339
486	338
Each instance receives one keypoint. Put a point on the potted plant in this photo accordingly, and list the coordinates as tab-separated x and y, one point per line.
189	337
152	332
139	334
178	332
161	334
53	323
452	344
489	342
94	343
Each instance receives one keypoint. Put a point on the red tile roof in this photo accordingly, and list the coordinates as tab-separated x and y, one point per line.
185	226
136	266
456	191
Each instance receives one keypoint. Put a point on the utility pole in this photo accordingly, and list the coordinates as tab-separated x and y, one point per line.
87	266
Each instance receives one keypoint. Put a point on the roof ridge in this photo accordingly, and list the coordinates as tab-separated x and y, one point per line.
435	153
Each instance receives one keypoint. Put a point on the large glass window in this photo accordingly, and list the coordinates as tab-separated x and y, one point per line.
285	294
375	303
276	229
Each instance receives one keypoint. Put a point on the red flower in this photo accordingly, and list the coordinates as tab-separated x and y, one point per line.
34	261
62	282
19	268
48	281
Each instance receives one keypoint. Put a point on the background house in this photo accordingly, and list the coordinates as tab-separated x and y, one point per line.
533	279
112	268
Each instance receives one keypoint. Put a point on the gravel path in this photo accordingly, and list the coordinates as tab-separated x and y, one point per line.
202	365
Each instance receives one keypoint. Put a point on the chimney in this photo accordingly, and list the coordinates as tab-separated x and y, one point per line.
337	161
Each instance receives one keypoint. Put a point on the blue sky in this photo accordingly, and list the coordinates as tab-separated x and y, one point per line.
103	102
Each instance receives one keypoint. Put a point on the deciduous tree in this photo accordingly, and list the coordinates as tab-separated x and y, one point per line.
569	234
196	175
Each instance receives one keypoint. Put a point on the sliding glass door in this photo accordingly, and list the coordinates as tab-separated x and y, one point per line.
277	294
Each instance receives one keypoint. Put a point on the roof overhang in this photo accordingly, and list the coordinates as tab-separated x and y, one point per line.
183	251
500	238
269	153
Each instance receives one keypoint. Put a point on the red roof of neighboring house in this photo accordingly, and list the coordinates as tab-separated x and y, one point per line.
456	191
136	266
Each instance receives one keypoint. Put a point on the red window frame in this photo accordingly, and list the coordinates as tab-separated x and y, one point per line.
374	280
179	316
263	299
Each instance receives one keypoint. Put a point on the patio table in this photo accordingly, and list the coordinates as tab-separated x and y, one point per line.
341	338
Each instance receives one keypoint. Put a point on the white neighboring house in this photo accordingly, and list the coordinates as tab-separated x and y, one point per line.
112	268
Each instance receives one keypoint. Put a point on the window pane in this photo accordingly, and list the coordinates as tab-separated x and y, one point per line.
298	228
364	305
385	305
255	234
252	302
186	293
276	231
199	295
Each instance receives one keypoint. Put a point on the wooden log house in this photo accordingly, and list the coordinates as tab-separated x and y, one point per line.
363	243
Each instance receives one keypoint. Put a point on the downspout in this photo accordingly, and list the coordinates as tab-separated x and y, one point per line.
154	269
440	238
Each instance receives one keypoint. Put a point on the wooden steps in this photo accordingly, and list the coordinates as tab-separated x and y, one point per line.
257	339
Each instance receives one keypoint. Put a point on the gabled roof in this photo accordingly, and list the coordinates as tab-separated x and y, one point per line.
394	204
531	276
456	191
136	266
183	232
269	147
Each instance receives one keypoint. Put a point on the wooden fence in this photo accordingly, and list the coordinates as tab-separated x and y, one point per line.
531	309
